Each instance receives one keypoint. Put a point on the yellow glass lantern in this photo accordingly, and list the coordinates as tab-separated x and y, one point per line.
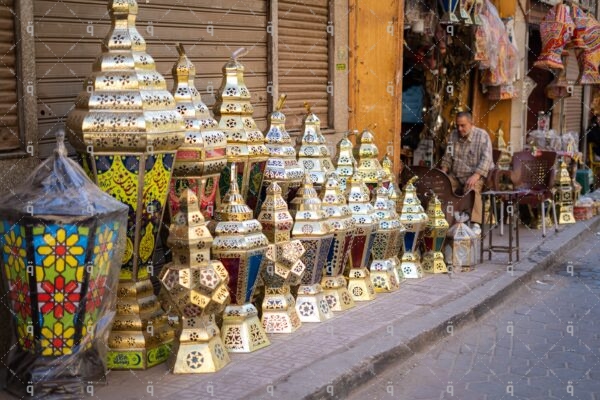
435	233
413	217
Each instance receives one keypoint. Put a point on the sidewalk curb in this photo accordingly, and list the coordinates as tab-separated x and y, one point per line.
337	375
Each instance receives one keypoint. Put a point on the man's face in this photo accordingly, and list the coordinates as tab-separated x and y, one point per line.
463	125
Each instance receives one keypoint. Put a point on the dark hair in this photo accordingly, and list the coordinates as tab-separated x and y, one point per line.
465	114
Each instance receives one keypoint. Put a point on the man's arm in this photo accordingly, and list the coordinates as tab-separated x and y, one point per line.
486	156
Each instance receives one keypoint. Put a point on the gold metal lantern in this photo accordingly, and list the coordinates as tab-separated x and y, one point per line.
314	232
435	233
241	246
196	287
283	266
126	130
394	191
414	219
340	219
384	272
369	167
459	249
282	166
366	224
344	166
245	143
314	155
563	195
201	157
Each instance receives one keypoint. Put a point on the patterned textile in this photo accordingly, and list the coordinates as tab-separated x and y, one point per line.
556	30
586	36
465	156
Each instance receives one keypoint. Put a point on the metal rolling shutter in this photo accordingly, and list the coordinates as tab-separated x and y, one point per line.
69	33
303	50
573	106
9	106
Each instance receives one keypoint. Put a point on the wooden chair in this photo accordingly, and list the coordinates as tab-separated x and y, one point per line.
534	176
437	181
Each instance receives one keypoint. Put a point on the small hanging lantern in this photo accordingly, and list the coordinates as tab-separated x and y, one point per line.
62	241
283	266
435	233
369	167
345	161
414	219
465	11
314	155
241	246
477	10
313	230
563	195
245	142
340	219
201	157
449	7
196	287
459	246
366	224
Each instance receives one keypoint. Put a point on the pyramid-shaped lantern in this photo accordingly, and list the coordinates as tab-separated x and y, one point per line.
314	155
196	287
435	233
366	224
315	233
344	166
414	219
126	129
368	164
340	218
393	189
284	266
201	158
241	246
282	166
245	143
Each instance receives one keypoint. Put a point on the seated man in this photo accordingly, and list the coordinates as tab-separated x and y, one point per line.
468	159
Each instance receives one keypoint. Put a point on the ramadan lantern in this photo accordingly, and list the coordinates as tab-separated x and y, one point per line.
465	11
365	224
196	287
314	155
282	166
477	11
126	129
241	246
344	167
563	195
283	264
369	167
62	242
314	232
414	219
201	158
435	233
459	249
384	273
245	143
340	219
394	192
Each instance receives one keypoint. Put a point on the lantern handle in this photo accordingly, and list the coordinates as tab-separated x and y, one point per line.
180	49
241	52
280	102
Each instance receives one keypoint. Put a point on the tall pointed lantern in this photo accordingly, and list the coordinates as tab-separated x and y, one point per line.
314	155
414	219
241	246
283	266
384	273
126	129
366	224
563	195
340	218
245	143
344	166
201	158
282	166
396	198
196	287
369	166
435	233
313	230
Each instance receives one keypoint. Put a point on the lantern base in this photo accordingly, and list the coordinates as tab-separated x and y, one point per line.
433	263
141	336
30	374
311	304
242	331
410	266
360	286
336	293
536	222
383	276
565	213
279	311
396	264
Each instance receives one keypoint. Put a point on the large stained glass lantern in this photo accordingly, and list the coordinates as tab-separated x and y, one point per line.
245	142
241	246
414	219
201	157
126	130
369	166
435	233
449	8
62	240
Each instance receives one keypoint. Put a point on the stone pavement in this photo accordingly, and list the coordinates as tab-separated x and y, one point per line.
327	360
543	343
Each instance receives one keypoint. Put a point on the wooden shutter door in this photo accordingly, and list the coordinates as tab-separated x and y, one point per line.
9	116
